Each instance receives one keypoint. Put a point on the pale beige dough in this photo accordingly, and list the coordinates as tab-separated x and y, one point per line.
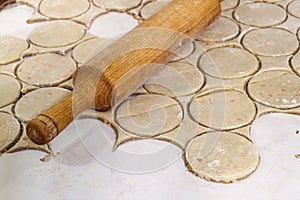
295	63
275	88
175	79
152	8
9	90
82	51
11	49
57	34
270	42
294	8
37	101
229	4
228	63
222	29
117	4
231	158
9	131
222	110
63	9
149	115
46	69
260	14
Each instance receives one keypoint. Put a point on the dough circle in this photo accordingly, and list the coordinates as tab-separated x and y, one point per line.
175	79
228	63
81	52
222	29
47	69
276	89
57	34
152	8
260	14
149	115
295	63
117	4
10	90
294	8
63	9
229	4
231	157
37	101
222	110
270	42
9	131
11	49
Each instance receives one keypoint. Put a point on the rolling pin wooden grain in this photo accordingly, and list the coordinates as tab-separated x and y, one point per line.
101	85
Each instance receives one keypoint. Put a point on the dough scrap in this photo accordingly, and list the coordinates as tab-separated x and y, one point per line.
11	49
33	103
231	158
117	4
63	9
295	63
46	69
57	34
10	90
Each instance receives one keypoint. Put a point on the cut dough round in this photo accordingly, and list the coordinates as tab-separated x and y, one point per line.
260	14
46	69
82	51
152	8
222	110
230	157
9	131
295	63
229	4
275	88
117	4
294	8
175	79
222	29
57	34
63	9
149	115
37	101
270	42
229	63
11	49
10	90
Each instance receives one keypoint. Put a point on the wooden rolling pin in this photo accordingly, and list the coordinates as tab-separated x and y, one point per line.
113	74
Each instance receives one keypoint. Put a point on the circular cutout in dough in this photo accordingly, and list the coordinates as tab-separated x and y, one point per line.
11	49
294	8
82	51
9	131
270	42
46	69
9	89
222	110
175	79
63	9
276	89
57	34
228	63
33	103
222	29
149	115
230	157
260	14
229	4
152	8
117	4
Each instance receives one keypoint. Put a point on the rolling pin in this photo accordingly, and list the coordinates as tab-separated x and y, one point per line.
111	75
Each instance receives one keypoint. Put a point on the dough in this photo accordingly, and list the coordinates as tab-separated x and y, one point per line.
81	51
294	8
295	63
276	88
149	115
9	131
152	8
222	110
270	42
231	158
11	49
33	103
57	34
222	29
9	89
228	63
260	14
63	9
46	69
175	79
117	4
229	4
